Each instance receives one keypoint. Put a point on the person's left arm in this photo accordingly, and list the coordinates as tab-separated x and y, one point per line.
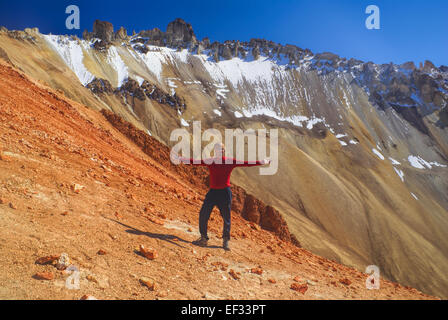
250	164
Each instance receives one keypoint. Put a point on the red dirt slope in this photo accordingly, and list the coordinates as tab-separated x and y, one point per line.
72	183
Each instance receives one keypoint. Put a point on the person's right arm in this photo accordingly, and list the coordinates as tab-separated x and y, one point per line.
189	160
192	161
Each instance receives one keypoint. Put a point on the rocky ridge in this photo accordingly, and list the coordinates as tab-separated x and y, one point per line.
411	91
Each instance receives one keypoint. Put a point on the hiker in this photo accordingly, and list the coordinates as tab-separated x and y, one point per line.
219	194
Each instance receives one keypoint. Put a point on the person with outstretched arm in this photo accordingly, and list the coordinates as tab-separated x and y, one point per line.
219	194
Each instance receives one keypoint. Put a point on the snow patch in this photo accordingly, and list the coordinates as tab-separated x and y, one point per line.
72	54
172	85
139	80
419	163
184	123
153	60
378	153
394	162
400	173
238	114
221	91
114	59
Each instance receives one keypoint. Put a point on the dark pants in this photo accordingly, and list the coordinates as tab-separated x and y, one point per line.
222	198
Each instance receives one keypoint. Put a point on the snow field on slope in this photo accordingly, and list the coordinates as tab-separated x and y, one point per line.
71	52
419	163
115	61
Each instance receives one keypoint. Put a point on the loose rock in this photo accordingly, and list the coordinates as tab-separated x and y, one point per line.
148	282
149	253
44	276
47	259
63	262
258	271
302	288
234	274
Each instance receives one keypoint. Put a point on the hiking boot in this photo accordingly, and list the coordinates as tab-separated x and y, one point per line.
201	242
225	244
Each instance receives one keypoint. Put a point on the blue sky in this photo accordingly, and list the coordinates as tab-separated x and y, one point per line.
412	30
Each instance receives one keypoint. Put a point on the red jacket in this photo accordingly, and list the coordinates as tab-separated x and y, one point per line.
220	172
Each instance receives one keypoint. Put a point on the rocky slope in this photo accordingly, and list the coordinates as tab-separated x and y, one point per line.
363	147
77	191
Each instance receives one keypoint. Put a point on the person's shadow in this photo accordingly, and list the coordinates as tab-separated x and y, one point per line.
165	237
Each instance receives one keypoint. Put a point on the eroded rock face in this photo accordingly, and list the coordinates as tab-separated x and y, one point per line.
179	33
225	52
256	53
253	208
103	30
271	220
267	217
121	34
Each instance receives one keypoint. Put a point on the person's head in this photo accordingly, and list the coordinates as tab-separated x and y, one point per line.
219	149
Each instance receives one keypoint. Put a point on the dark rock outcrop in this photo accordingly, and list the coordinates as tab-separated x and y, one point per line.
132	88
103	30
121	34
100	86
256	53
179	33
102	45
